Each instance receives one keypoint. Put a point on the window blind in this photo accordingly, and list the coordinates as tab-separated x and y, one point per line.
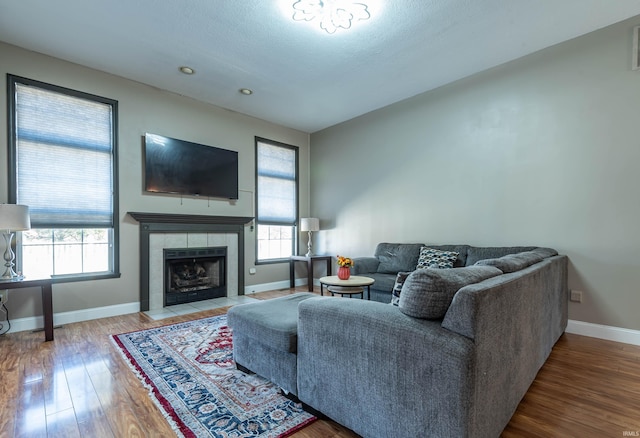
64	158
276	185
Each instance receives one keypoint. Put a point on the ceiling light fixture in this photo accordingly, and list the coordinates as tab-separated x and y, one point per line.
332	14
246	91
187	70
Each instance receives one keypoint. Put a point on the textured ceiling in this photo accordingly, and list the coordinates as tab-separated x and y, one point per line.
302	77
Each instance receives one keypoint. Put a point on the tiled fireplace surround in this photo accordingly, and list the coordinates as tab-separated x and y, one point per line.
159	231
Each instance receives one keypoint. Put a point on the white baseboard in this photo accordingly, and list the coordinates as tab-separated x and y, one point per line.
37	322
616	334
606	332
265	287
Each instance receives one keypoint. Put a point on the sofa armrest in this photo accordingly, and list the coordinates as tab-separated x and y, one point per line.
514	321
382	373
364	265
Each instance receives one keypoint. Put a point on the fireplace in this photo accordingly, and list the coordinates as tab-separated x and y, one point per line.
194	274
159	231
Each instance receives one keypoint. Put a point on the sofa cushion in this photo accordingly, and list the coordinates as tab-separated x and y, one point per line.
427	293
397	257
397	287
515	262
435	258
475	253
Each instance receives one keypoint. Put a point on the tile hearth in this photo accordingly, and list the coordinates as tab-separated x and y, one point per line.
198	306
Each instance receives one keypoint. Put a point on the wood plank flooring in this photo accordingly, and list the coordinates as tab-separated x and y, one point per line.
79	386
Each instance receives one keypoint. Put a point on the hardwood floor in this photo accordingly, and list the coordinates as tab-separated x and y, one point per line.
79	386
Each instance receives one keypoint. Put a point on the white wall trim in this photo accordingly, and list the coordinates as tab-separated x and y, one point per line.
609	333
276	285
37	322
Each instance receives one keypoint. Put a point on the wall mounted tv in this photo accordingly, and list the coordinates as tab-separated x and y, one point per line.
182	167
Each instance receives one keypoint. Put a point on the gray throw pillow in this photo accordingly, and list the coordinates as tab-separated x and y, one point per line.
515	262
397	257
427	293
397	287
545	252
476	253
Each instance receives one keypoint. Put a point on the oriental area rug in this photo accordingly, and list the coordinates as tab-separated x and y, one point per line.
191	376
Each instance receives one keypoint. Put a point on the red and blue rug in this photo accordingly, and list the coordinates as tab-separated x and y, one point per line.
191	376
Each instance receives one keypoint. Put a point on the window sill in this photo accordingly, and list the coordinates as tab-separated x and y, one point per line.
70	278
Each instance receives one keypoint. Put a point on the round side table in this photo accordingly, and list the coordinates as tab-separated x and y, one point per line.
354	282
348	290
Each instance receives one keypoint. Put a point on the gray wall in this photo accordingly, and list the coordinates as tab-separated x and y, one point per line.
146	109
543	151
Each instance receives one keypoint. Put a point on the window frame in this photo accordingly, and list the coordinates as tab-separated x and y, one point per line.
294	226
12	81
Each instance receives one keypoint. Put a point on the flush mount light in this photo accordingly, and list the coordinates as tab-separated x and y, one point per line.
246	91
187	70
331	14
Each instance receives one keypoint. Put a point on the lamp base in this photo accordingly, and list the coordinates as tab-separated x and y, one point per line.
9	256
309	253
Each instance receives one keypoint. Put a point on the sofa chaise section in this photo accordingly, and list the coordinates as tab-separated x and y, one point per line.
382	373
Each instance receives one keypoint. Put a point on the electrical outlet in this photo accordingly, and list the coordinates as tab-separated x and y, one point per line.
4	296
576	296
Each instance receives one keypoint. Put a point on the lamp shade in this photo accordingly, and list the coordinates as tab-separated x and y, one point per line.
309	224
14	217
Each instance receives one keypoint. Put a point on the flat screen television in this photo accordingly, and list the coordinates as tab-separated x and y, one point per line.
182	167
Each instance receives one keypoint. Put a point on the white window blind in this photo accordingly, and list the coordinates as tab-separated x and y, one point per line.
64	158
277	184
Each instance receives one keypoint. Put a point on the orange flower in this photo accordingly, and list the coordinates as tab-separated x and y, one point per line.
345	261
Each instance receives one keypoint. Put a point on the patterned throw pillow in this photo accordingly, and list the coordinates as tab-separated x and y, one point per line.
397	287
436	259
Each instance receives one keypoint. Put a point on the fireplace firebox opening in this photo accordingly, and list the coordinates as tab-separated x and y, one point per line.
194	274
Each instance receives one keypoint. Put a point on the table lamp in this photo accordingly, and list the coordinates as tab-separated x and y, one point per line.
12	218
309	224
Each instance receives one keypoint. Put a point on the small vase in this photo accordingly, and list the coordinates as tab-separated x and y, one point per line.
344	273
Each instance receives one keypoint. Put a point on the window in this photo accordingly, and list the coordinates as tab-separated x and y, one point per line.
276	200
62	164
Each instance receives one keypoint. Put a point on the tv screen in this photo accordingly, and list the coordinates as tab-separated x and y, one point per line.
178	166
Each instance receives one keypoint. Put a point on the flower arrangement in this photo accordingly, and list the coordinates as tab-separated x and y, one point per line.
345	262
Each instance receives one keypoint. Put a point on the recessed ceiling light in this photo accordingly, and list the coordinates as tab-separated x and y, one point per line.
187	70
245	91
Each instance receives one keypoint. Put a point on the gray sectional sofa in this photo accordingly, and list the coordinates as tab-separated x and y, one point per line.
453	358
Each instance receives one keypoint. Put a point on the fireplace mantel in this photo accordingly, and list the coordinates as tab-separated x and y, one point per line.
185	223
171	218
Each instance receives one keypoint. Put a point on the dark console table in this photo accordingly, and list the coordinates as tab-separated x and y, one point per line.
309	261
47	300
